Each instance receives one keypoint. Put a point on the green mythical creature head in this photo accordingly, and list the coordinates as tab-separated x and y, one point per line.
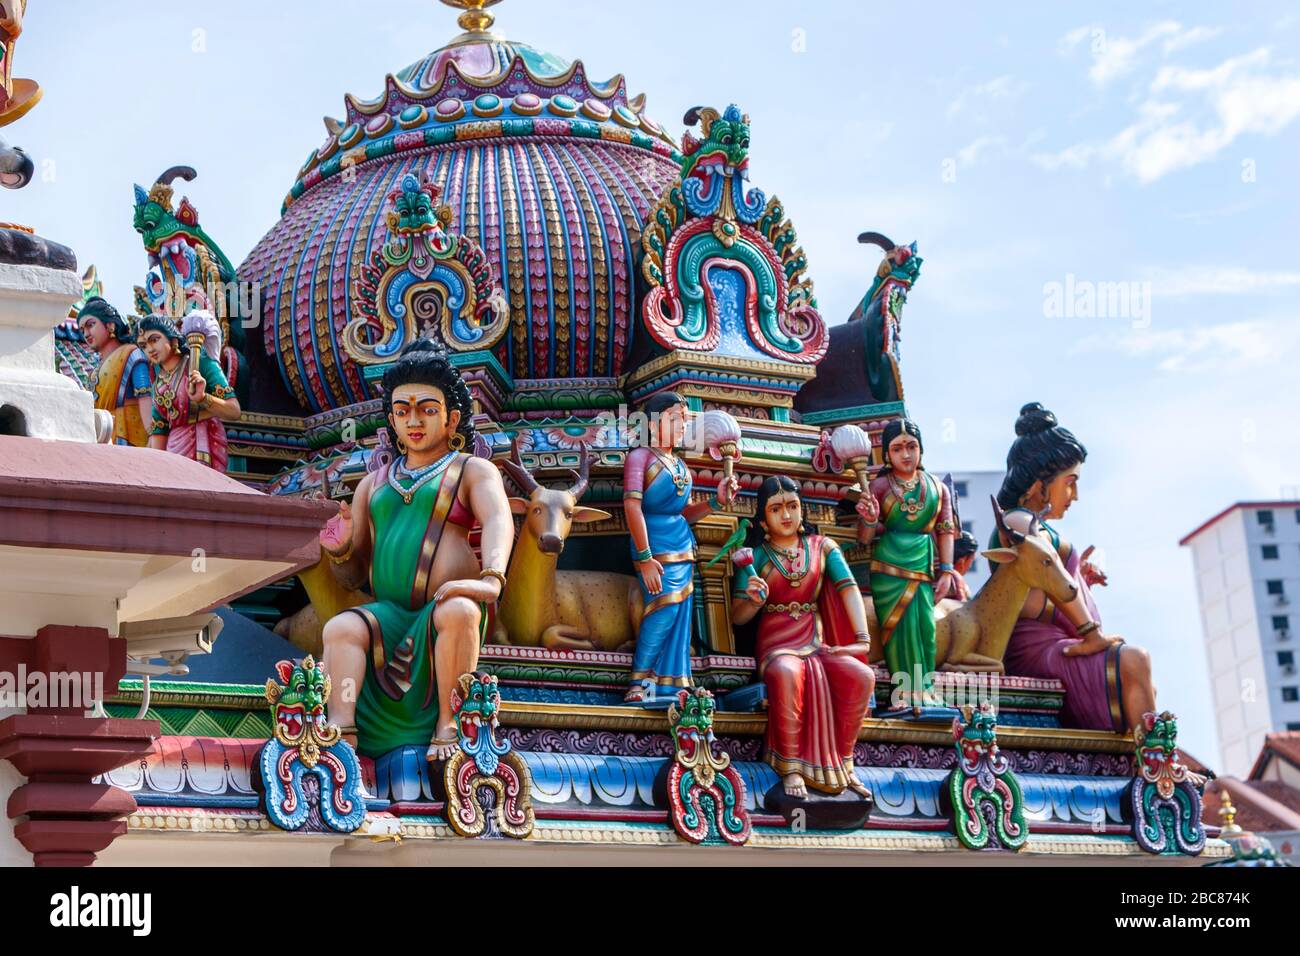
693	711
416	207
714	171
298	708
161	228
977	734
1158	732
474	703
726	139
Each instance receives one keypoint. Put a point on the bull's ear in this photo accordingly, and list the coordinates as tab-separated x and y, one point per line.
1000	555
519	506
285	671
584	515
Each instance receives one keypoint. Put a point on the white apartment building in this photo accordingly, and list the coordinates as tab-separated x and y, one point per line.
973	491
1247	565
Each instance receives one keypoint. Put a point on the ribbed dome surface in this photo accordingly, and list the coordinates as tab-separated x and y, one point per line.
551	174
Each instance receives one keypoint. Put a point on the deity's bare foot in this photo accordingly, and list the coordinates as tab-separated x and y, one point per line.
443	744
794	786
635	694
858	787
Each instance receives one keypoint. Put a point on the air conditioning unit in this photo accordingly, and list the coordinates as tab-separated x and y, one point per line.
1281	600
1288	669
1268	527
1283	635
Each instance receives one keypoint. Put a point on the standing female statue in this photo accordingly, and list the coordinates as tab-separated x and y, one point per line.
812	645
908	516
407	531
1107	682
657	503
123	384
189	402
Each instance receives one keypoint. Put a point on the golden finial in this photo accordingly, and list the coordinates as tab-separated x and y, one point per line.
475	19
1228	814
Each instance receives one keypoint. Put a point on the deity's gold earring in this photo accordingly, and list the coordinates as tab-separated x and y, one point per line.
456	442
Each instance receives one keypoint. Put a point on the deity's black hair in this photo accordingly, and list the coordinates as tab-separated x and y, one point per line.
1041	451
772	486
660	402
99	308
424	362
895	428
965	546
159	323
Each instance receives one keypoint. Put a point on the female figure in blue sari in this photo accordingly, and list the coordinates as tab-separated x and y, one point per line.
657	503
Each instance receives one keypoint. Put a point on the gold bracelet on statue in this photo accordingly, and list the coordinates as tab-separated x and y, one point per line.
1086	628
341	558
494	573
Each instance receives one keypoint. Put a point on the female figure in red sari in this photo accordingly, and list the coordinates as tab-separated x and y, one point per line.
189	404
812	645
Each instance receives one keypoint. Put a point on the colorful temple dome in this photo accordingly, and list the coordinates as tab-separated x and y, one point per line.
551	173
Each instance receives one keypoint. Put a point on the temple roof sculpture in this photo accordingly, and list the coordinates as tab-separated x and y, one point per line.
553	174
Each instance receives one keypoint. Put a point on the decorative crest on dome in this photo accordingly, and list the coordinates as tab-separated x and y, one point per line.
424	281
720	258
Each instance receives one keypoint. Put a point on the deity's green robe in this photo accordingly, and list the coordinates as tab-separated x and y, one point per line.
902	586
398	702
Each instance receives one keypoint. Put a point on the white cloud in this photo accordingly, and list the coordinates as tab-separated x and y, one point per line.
1114	56
1229	346
998	88
1231	280
967	155
1190	116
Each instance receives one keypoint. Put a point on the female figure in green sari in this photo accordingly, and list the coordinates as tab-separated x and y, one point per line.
407	532
908	516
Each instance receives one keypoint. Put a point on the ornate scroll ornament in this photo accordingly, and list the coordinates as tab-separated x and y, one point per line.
424	281
708	234
1166	807
488	784
988	808
824	459
310	776
706	796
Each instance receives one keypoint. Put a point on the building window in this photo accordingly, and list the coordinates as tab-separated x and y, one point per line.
1275	588
1281	622
1291	694
1270	552
1293	726
963	489
1264	516
1286	658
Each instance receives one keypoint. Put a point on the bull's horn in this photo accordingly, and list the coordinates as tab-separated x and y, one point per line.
1000	519
580	476
515	466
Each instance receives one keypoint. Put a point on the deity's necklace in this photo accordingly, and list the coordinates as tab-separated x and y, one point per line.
798	558
170	387
679	478
901	488
419	477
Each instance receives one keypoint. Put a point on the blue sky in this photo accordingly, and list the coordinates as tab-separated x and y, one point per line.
1020	146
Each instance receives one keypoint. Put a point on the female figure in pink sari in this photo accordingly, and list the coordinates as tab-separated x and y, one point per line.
812	645
1108	683
189	404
